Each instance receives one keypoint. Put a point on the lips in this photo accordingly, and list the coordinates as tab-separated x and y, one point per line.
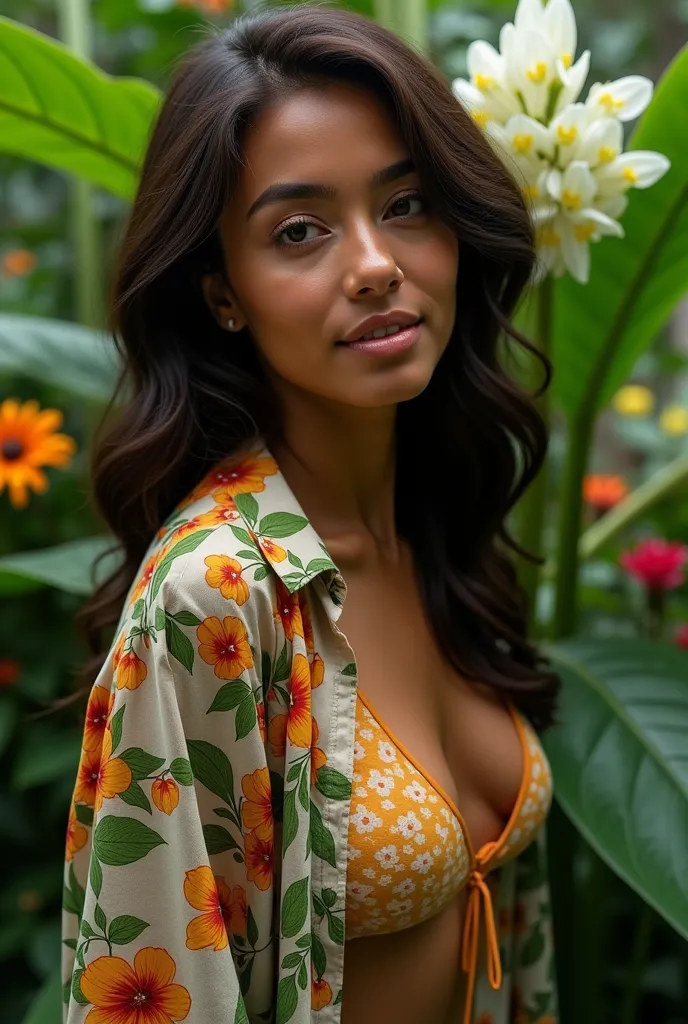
395	318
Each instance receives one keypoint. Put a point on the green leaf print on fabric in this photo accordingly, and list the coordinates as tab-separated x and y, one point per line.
178	644
321	838
241	1017
332	783
84	814
142	764
125	929
281	524
230	696
73	894
135	797
294	908
180	770
118	841
218	839
287	999
182	547
212	768
116	727
248	506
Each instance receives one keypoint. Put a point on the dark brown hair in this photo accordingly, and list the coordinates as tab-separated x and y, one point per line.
468	446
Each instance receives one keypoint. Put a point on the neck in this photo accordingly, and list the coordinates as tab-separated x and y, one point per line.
340	463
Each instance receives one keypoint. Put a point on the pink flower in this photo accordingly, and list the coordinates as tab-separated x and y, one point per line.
656	563
681	635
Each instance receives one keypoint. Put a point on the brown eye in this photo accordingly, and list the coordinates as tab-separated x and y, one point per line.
405	202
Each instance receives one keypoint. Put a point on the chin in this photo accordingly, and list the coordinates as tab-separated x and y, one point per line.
392	388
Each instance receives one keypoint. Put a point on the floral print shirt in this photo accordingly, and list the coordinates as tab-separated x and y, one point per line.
206	855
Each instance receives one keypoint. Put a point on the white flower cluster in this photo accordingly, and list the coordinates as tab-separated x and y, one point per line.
569	153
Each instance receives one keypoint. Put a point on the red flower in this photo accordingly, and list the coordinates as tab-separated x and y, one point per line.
681	635
656	563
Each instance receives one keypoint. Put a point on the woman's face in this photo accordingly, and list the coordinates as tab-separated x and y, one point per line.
305	269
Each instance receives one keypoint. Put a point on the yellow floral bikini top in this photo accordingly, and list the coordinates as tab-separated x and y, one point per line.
409	852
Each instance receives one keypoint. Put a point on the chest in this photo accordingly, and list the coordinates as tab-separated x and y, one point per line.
462	735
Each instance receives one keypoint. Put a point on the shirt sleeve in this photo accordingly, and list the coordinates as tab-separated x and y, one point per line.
168	894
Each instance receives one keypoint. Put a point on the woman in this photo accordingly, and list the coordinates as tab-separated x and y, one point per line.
311	786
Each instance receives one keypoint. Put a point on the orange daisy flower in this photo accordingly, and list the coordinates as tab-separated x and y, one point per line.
318	756
245	477
223	909
130	670
288	611
114	774
224	574
76	835
256	810
165	795
142	994
258	854
96	718
225	645
321	994
604	490
28	441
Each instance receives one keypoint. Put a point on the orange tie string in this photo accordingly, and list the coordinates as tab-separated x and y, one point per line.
478	889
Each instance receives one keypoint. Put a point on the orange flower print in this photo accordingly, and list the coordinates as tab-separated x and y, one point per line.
144	579
318	756
130	670
245	477
321	994
299	720
256	810
258	854
114	774
219	515
143	994
260	713
277	735
76	835
224	644
224	574
317	671
87	778
288	611
96	718
222	909
273	552
306	623
165	795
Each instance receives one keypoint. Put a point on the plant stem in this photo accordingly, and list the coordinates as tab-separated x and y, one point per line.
407	18
636	969
570	512
75	31
532	506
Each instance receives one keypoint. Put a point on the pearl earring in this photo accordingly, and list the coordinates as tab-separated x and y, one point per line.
231	323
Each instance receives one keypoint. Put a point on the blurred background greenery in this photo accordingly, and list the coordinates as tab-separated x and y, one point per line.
624	962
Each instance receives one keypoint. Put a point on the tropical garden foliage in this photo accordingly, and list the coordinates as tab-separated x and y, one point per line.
79	86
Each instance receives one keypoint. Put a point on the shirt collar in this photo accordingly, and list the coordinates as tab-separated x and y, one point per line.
274	518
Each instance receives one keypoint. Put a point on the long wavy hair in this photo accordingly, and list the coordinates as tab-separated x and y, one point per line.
467	447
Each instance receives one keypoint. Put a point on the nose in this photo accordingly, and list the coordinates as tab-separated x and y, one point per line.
370	265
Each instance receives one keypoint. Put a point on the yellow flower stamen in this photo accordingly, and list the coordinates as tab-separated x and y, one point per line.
584	232
481	117
606	154
567	136
483	81
611	105
566	60
549	237
537	73
531	191
571	200
522	143
630	176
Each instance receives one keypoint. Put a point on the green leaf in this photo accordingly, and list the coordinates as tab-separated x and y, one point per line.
218	839
282	665
287	999
245	718
65	355
245	537
116	727
304	788
281	524
533	947
619	763
248	506
333	784
186	618
73	894
64	112
142	763
329	898
68	567
212	768
95	875
230	696
350	669
304	941
602	327
182	547
302	976
135	797
319	565
321	837
87	930
179	645
241	1017
83	814
118	841
290	824
294	559
335	929
79	996
180	770
125	929
292	960
319	957
99	917
260	573
159	618
251	928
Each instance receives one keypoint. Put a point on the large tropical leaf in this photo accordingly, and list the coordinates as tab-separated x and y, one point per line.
620	761
68	567
56	352
64	112
602	327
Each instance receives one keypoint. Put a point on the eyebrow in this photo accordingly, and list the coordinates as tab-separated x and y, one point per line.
282	190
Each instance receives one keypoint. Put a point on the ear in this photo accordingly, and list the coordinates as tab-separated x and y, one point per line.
221	301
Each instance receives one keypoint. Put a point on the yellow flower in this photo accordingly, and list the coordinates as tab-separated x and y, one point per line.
27	441
634	400
674	420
